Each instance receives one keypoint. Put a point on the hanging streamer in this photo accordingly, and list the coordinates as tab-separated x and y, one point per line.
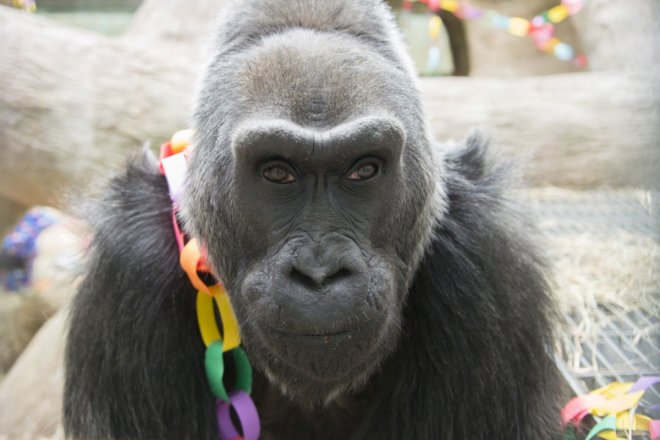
541	28
221	337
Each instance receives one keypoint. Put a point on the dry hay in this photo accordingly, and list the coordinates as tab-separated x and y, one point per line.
620	269
604	250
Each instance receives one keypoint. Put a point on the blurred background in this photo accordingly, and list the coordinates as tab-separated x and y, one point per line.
570	88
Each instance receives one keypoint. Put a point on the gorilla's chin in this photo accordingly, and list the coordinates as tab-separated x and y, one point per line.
314	369
313	366
330	357
318	335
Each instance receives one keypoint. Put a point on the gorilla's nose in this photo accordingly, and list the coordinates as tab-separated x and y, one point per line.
317	276
320	286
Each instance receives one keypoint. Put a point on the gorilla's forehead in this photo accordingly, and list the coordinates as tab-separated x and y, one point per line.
329	79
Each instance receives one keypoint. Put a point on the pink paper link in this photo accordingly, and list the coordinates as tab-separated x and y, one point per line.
578	406
177	232
434	5
654	429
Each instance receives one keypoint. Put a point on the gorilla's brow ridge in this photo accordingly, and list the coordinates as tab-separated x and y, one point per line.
367	134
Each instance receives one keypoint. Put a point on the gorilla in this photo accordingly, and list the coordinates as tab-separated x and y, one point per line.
384	286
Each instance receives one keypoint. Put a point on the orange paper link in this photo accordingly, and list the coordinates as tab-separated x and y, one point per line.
190	262
181	140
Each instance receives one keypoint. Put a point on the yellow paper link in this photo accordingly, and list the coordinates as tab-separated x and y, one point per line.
208	327
518	26
435	24
608	435
637	423
558	13
617	404
614	389
229	323
450	5
206	319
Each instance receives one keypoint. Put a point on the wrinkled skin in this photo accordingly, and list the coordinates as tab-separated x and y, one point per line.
383	287
319	265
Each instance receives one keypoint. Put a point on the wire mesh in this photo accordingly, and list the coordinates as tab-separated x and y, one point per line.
618	342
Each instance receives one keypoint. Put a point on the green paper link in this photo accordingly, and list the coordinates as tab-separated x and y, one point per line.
607	424
569	434
215	369
243	370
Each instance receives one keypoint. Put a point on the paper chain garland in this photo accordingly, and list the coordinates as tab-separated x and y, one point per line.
220	346
28	5
21	245
616	409
541	28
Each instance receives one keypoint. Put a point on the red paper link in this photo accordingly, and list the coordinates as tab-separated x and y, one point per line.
165	151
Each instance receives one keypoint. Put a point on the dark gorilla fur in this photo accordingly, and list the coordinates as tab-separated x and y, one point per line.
463	350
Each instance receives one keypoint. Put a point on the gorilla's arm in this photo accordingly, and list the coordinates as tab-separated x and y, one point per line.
134	357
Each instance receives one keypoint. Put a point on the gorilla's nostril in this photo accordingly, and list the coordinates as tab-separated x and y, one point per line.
317	277
301	278
337	276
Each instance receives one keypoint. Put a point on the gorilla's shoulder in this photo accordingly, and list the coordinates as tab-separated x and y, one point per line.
133	216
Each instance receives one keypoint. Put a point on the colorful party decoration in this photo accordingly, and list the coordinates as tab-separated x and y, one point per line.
222	339
540	28
27	5
617	412
20	246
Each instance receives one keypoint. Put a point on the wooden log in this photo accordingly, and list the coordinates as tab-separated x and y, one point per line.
31	392
578	130
73	103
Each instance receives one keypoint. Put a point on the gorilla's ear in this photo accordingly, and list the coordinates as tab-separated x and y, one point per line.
475	160
471	157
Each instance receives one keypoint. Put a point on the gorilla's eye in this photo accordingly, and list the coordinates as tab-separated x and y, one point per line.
364	171
278	174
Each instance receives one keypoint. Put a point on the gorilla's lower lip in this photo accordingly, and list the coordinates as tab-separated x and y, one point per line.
311	335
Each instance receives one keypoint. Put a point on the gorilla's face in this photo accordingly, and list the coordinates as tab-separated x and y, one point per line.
322	294
306	186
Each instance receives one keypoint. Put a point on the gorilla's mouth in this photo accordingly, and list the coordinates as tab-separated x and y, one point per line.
323	356
325	336
318	336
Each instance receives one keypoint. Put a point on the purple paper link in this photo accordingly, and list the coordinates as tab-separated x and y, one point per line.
226	426
644	383
247	415
470	12
654	407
